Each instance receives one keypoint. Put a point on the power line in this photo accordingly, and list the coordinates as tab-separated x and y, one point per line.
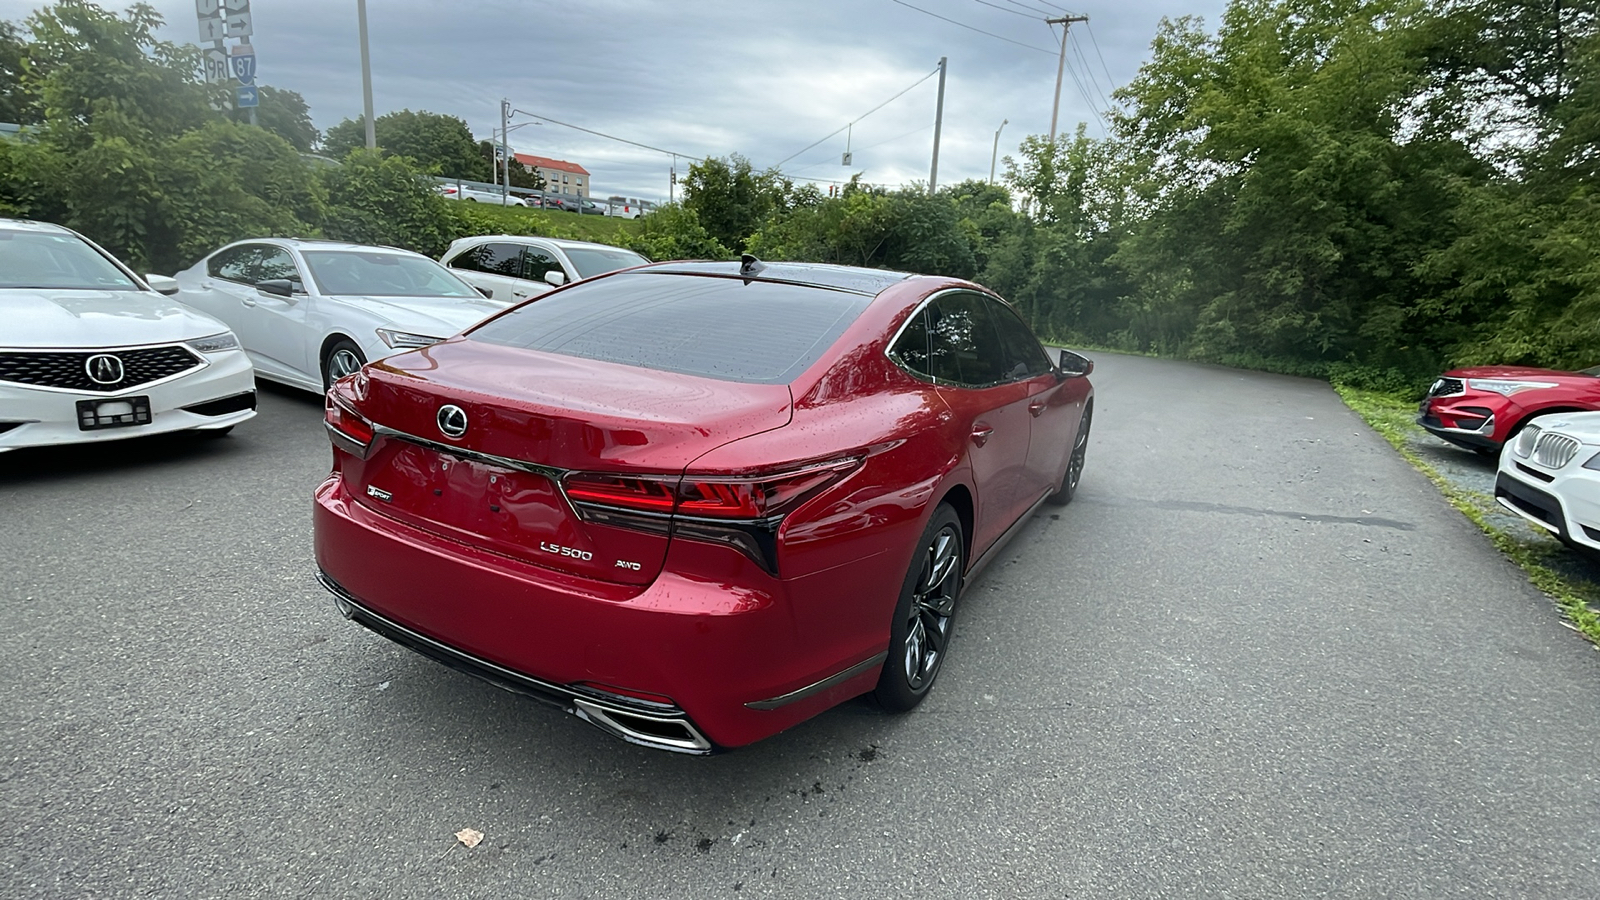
1109	80
970	28
858	118
1005	10
1084	93
871	146
1034	9
610	137
1088	70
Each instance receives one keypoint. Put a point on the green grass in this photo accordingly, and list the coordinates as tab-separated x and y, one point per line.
1391	416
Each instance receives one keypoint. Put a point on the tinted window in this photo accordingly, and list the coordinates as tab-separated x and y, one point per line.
963	346
493	259
759	333
535	263
33	259
1025	358
911	350
253	264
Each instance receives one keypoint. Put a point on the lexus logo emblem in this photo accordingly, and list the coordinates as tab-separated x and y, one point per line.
452	421
104	368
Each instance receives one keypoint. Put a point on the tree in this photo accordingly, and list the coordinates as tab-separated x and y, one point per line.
731	200
436	143
285	114
17	104
520	177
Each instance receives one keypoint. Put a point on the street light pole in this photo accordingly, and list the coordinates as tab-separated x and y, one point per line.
366	77
938	125
505	149
996	152
1066	24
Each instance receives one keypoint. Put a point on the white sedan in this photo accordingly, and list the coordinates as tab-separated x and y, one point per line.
1550	475
474	195
91	352
310	312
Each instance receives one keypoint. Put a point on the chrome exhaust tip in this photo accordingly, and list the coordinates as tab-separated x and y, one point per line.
673	733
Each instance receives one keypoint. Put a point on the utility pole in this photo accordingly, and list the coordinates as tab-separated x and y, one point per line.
1066	23
938	125
505	150
996	152
366	77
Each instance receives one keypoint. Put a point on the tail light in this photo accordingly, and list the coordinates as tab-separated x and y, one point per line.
346	428
743	512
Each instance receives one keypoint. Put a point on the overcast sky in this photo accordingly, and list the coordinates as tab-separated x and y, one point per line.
762	78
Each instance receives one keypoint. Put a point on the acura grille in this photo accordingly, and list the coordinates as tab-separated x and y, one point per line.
1447	387
1554	450
69	370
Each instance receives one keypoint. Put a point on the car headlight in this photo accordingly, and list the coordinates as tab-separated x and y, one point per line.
1507	386
405	340
216	343
1593	464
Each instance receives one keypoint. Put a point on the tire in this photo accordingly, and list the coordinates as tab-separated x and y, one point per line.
1074	472
340	359
924	617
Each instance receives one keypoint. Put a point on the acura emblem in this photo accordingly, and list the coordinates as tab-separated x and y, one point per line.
104	368
452	421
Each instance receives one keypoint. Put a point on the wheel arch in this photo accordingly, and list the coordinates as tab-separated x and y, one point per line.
959	497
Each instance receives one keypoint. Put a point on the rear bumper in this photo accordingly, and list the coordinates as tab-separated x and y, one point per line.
50	417
719	650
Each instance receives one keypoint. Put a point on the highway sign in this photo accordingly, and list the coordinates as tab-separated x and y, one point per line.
248	97
235	5
213	28
217	70
205	9
243	62
240	24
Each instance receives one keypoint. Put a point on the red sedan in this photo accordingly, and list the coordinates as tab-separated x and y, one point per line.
1481	408
697	503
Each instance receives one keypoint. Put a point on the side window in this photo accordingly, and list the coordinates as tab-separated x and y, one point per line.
253	264
536	262
963	345
1025	356
911	350
491	259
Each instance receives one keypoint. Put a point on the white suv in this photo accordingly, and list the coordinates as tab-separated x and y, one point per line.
514	268
1550	475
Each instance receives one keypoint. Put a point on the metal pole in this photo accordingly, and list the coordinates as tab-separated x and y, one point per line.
938	125
996	152
366	77
505	149
1066	23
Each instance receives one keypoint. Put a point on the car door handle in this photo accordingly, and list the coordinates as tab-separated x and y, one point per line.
247	301
1037	407
981	433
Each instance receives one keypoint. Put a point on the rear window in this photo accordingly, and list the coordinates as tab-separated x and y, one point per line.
757	333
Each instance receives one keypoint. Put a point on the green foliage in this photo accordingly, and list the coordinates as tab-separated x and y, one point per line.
379	199
285	114
437	144
520	177
674	232
17	102
731	200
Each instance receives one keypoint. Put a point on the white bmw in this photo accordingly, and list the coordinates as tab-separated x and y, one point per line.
1550	475
310	312
91	352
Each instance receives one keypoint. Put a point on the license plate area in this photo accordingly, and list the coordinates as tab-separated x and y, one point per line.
123	412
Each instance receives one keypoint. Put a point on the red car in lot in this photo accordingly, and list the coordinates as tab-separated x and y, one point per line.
1482	407
697	503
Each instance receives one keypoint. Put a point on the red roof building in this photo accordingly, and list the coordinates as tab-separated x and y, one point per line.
559	175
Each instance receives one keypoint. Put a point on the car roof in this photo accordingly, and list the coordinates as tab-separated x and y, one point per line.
30	225
320	244
557	242
854	279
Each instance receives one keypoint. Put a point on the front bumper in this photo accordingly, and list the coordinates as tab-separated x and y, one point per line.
1475	420
42	418
722	655
1564	502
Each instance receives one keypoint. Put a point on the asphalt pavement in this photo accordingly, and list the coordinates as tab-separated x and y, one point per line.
1259	656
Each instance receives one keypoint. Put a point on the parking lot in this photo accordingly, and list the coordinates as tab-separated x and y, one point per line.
1258	656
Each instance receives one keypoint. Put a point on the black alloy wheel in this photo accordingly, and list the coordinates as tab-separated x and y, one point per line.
924	618
342	358
1080	449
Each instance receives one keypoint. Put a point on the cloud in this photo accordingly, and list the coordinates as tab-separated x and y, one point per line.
762	78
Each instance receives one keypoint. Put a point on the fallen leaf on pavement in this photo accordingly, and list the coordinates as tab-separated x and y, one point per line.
470	837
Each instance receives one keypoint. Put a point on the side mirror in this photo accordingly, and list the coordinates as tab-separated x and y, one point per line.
485	292
277	287
555	277
1074	365
162	284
